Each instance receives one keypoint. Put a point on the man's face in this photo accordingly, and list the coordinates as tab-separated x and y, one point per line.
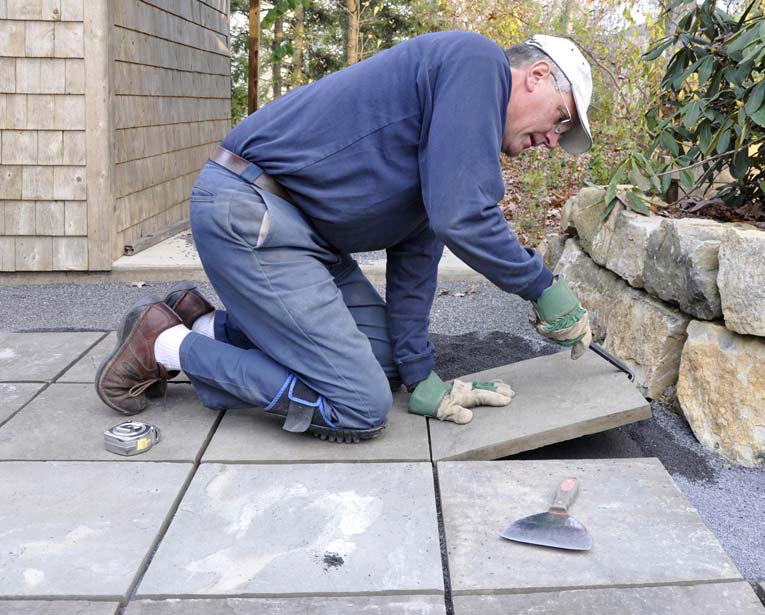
533	116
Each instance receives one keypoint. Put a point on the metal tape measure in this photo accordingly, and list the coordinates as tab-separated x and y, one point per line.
131	438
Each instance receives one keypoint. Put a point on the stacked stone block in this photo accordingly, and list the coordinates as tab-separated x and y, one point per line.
682	302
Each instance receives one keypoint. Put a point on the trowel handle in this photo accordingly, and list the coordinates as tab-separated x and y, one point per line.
565	495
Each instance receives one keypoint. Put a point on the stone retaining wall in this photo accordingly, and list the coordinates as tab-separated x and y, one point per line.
682	301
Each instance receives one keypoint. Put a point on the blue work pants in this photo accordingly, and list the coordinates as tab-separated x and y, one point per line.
293	306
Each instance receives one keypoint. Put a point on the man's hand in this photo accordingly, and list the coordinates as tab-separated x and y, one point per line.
560	317
433	398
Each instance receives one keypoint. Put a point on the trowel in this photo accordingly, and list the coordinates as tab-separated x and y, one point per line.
554	528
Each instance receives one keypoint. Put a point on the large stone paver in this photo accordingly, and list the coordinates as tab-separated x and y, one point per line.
67	422
711	599
556	399
302	529
13	395
85	369
57	607
80	530
254	436
372	605
644	531
40	357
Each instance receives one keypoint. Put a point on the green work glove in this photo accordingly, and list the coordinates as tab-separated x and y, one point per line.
560	317
434	398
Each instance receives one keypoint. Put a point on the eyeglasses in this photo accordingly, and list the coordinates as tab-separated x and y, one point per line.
563	125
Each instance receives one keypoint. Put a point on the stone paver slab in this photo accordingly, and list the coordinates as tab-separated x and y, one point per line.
57	607
643	529
711	599
40	357
85	369
252	435
80	530
373	605
13	395
305	529
556	399
67	422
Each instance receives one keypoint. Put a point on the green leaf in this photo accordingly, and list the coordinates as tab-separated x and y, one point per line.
723	140
608	209
610	192
638	204
692	112
762	186
669	143
758	117
656	51
705	69
740	164
754	102
686	179
705	137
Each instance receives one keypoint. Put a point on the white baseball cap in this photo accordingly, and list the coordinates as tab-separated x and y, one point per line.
572	64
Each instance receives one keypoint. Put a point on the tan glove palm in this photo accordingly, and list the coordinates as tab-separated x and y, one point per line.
433	398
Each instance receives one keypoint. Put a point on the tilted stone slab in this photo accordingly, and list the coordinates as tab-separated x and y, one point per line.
40	357
254	436
86	368
304	529
741	280
682	265
721	390
67	422
13	395
57	607
373	605
556	399
81	530
735	598
645	333
644	531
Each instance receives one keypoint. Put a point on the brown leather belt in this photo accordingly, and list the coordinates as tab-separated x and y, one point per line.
237	164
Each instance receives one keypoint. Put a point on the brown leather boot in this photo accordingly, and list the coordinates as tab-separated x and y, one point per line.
188	302
126	374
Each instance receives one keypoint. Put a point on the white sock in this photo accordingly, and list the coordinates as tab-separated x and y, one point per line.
167	347
205	325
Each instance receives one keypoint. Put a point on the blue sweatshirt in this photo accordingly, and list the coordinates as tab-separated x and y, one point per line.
402	152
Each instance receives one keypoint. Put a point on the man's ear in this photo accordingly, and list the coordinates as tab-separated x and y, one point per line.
536	73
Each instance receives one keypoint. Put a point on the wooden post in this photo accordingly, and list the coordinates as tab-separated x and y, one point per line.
252	72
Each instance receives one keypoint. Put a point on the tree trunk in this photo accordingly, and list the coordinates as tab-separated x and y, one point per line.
252	68
297	57
276	67
352	43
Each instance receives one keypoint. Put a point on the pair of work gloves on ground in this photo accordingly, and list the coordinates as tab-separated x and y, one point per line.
557	315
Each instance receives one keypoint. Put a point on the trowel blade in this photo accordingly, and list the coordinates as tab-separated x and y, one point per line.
548	529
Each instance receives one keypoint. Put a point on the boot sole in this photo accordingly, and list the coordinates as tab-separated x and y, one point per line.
124	334
347	436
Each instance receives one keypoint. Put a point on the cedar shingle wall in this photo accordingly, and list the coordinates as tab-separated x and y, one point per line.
171	103
43	215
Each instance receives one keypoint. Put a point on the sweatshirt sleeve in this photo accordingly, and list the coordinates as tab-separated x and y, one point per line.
461	177
411	278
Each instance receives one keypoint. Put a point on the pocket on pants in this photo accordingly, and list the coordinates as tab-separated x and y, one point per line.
248	217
